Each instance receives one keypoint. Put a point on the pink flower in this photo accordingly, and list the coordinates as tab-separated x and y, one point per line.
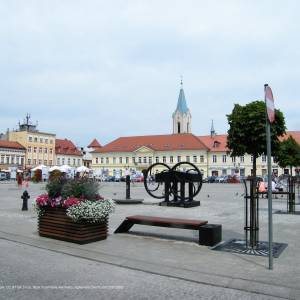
71	201
42	200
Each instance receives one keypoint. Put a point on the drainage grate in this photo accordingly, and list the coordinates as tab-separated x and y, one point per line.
239	247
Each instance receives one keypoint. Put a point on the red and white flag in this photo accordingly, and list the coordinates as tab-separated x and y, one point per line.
269	103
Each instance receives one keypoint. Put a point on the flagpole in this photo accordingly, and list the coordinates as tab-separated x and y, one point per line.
270	216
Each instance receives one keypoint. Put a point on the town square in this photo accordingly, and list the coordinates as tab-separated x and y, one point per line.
149	150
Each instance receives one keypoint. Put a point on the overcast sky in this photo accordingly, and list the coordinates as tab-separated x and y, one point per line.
107	69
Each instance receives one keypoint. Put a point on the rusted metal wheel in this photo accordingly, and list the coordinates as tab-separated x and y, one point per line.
154	188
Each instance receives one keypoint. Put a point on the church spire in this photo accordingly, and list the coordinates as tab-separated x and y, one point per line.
212	130
182	116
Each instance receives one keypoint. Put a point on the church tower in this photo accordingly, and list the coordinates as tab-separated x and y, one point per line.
182	117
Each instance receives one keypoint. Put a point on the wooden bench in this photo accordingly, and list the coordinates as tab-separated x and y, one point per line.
209	234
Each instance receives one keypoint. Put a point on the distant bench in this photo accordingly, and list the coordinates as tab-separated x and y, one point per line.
209	234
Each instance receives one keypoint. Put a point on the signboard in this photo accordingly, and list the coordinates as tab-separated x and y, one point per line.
269	104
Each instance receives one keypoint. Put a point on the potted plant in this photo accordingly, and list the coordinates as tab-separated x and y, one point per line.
72	210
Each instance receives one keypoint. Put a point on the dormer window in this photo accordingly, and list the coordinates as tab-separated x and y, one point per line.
216	144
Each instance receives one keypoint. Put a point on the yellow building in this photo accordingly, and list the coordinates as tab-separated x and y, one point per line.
209	153
40	146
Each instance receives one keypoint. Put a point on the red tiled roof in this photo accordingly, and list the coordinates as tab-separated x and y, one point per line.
66	147
12	145
94	144
216	143
294	134
156	142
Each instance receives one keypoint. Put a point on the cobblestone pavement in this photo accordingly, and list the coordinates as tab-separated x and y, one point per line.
151	262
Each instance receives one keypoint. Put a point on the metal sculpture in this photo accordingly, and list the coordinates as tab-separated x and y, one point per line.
163	182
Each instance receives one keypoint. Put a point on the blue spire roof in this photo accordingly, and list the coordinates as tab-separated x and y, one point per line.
181	104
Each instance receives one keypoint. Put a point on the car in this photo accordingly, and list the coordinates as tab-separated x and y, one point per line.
220	179
211	179
2	176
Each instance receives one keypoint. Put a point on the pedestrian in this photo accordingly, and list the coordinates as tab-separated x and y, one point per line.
19	180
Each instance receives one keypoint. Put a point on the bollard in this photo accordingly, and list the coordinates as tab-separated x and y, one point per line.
25	198
127	186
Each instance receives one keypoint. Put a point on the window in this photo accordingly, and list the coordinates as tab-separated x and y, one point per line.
171	159
133	160
194	158
120	160
34	162
74	161
29	161
164	159
102	160
242	159
50	162
114	160
233	159
140	160
40	150
224	157
97	160
145	160
7	159
12	159
263	158
157	159
45	150
35	139
178	158
50	150
51	141
41	140
45	162
150	160
40	162
58	161
127	160
29	149
63	161
201	158
2	159
188	158
30	138
214	158
69	161
46	141
22	161
107	160
34	149
78	162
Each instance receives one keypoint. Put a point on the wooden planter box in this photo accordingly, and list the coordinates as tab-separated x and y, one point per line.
54	223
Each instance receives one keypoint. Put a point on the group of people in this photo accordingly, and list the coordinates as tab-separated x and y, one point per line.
263	186
20	180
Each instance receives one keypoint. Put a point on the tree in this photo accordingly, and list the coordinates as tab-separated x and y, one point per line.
288	154
247	132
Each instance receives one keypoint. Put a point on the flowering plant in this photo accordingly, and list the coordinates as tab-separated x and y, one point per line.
71	201
79	197
91	211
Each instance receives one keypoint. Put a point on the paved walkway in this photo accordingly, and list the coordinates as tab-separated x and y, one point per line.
174	253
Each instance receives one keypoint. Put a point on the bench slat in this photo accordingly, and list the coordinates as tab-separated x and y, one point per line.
156	221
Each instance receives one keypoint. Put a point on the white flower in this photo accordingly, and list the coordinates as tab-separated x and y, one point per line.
91	211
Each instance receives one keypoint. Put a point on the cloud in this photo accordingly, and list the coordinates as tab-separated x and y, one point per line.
103	69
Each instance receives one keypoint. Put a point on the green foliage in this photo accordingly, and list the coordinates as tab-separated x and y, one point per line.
247	132
37	176
80	188
288	154
54	186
